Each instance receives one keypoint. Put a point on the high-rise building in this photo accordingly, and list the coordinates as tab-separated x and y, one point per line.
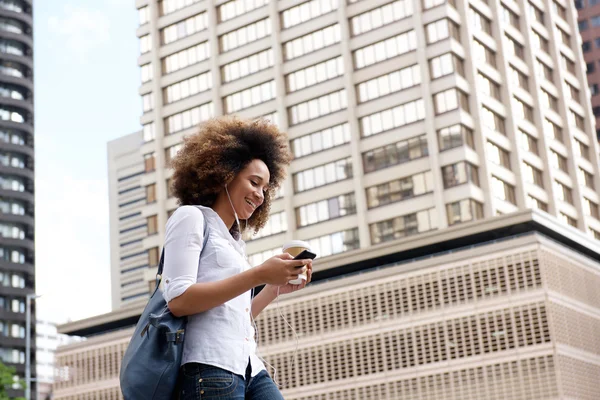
589	27
127	197
403	116
17	271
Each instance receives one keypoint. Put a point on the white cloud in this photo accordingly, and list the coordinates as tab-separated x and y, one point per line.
80	29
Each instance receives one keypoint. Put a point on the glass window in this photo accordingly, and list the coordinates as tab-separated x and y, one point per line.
318	107
460	173
560	10
539	42
585	178
389	83
247	65
144	15
509	17
522	110
12	26
13	47
548	101
406	225
235	8
480	22
306	11
563	192
533	175
396	117
315	74
497	155
258	258
312	42
518	79
335	243
483	54
400	189
327	209
395	153
187	27
186	57
145	44
446	64
557	161
189	87
323	174
148	132
488	86
385	49
381	16
276	223
534	203
244	35
147	102
170	6
449	100
515	48
188	118
147	72
535	13
575	119
464	211
590	208
503	190
321	140
455	136
440	30
581	149
427	4
552	130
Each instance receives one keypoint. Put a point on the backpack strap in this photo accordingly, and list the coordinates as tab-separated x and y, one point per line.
161	263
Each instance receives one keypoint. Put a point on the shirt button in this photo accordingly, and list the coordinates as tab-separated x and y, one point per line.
247	310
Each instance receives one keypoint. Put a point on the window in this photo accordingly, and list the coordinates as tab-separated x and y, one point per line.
148	132
145	44
497	155
488	86
12	115
446	64
249	97
381	16
539	42
515	49
479	22
590	208
518	79
318	107
306	11
503	190
389	83
151	193
235	8
335	243
13	47
522	110
152	224
386	49
586	46
324	210
322	140
170	6
271	118
585	178
144	15
492	120
572	91
459	174
153	256
14	207
557	161
11	26
186	57
543	71
391	118
533	175
560	10
16	184
247	65
548	101
406	225
483	54
11	136
149	162
276	223
579	4
509	17
146	72
590	67
449	100
315	74
440	30
189	87
575	119
184	28
535	13
464	211
581	149
567	219
188	118
244	35
563	192
12	92
565	38
323	175
258	258
400	189
427	4
455	136
552	130
312	42
594	89
534	203
567	64
12	231
395	153
171	152
595	21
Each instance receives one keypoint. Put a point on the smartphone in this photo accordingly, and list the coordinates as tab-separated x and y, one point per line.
305	255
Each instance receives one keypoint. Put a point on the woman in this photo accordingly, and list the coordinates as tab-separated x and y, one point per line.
224	178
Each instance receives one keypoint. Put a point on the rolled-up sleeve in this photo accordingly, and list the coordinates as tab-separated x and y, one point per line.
183	244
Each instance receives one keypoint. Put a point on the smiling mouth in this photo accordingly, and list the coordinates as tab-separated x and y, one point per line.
251	204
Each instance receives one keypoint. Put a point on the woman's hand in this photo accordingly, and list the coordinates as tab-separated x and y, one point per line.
280	269
288	287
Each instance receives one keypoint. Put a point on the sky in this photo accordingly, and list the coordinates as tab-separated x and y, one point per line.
86	82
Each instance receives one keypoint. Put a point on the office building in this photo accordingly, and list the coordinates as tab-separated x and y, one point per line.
17	271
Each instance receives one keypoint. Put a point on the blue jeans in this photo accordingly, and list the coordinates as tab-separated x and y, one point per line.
201	381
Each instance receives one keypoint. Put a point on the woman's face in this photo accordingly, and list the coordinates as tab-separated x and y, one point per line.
248	187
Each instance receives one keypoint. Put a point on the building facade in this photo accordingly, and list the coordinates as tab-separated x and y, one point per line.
507	308
17	272
128	227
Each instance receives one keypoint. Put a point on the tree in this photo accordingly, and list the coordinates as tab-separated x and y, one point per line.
7	380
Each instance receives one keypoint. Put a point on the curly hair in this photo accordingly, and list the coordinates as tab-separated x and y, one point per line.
218	151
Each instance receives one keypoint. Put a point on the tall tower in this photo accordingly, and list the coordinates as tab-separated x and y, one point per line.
17	271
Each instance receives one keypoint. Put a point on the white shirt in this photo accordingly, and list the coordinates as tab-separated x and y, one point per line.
222	336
